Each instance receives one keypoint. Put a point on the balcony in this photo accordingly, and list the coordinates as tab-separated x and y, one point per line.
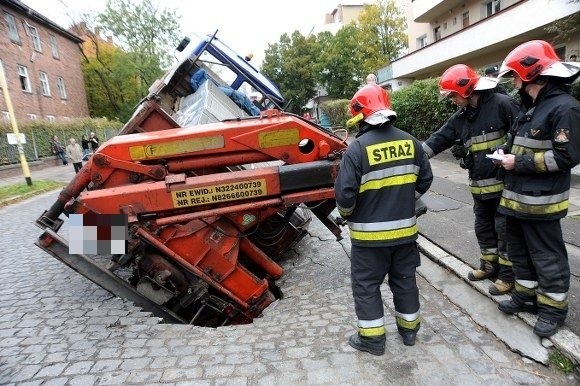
489	39
426	11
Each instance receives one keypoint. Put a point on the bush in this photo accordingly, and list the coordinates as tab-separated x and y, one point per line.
419	111
336	111
40	132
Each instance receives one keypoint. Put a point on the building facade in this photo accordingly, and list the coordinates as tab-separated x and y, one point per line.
41	62
479	33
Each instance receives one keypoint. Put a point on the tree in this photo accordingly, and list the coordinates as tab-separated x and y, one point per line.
566	28
119	76
338	66
289	64
382	34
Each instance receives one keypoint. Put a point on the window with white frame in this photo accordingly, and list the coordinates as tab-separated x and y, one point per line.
492	7
5	116
50	118
54	46
421	41
32	117
12	29
61	87
44	83
35	38
24	80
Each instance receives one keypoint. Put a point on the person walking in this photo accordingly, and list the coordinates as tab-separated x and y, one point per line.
542	148
474	130
94	142
85	146
58	149
75	153
381	174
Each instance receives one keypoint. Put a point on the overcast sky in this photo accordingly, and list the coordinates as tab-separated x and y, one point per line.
246	26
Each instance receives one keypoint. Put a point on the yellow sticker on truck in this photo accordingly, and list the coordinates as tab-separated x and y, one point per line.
164	149
275	138
219	193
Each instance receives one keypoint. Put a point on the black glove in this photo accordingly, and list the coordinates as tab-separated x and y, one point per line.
459	151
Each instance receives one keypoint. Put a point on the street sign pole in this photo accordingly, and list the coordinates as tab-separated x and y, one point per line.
23	162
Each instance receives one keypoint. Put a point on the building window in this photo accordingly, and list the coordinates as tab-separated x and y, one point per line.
422	41
444	26
6	116
465	17
437	33
561	52
454	21
492	7
61	88
35	38
24	80
50	118
32	117
54	46
44	83
12	30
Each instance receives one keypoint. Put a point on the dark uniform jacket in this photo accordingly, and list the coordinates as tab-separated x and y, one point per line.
381	173
480	130
546	142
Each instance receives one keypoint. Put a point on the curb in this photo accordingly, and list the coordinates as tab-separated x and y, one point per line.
564	340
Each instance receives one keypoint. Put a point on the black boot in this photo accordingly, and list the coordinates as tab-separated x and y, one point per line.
511	307
408	336
374	345
546	328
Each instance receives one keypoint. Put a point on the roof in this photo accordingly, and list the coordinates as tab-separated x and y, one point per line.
34	15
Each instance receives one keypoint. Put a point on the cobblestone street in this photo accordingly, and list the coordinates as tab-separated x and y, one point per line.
56	327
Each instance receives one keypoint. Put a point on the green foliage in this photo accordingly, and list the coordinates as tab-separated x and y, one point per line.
338	65
117	77
561	362
418	110
40	132
288	64
336	111
382	28
13	193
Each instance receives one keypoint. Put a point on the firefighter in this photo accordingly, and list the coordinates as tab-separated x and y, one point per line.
381	174
478	126
543	146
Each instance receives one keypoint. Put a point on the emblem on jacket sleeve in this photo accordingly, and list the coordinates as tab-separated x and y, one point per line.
535	132
562	135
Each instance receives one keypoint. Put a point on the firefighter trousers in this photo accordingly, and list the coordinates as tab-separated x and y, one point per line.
540	264
490	231
370	265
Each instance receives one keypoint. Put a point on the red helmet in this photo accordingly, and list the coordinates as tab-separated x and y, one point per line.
368	100
529	60
460	79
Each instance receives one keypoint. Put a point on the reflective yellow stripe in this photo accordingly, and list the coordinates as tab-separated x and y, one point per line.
520	150
490	257
388	181
486	189
561	305
372	331
539	162
384	235
534	209
410	325
524	290
486	145
504	261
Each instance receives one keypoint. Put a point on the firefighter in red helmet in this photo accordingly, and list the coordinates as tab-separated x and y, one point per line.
478	126
542	147
381	174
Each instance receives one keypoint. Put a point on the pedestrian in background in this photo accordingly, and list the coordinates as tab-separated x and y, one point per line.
75	153
371	79
473	131
58	149
381	174
85	146
542	148
94	141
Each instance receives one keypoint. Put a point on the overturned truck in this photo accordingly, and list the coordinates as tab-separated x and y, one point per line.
213	194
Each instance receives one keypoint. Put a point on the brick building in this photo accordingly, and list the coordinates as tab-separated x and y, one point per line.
41	61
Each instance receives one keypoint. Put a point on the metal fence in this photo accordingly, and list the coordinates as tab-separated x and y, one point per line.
37	144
